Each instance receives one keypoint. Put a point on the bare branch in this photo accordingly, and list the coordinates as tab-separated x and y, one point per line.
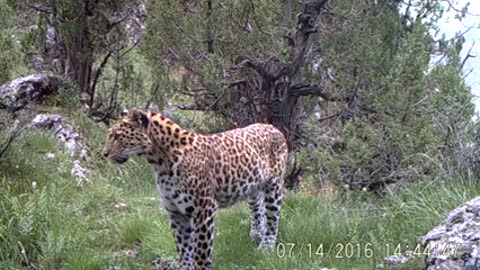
210	38
129	49
234	83
467	74
463	10
330	117
306	25
469	55
99	72
119	21
313	90
258	66
10	140
153	93
193	107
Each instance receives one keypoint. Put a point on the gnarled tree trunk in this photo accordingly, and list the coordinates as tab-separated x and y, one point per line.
276	82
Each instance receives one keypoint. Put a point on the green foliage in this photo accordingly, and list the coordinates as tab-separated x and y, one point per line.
403	116
8	52
135	229
177	27
399	116
7	60
202	122
7	17
85	259
67	96
88	42
138	81
204	42
21	170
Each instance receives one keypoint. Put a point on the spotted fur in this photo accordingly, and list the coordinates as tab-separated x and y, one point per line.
196	174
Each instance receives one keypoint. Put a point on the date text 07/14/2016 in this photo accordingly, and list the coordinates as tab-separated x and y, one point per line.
358	250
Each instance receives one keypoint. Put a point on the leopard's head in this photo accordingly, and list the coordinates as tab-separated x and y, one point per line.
128	137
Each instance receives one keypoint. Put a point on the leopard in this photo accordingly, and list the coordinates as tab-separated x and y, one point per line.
197	174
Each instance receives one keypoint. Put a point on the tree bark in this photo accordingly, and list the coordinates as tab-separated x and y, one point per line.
80	55
281	95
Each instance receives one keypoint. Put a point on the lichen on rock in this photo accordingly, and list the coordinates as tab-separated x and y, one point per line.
17	94
455	243
70	140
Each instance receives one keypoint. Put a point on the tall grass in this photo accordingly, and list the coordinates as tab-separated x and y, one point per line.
58	225
343	233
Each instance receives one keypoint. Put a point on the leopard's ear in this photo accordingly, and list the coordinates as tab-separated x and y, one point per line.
139	117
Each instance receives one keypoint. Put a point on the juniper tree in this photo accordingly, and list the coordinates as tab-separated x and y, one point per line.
364	66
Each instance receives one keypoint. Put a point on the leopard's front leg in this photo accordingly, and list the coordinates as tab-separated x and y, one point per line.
183	233
204	217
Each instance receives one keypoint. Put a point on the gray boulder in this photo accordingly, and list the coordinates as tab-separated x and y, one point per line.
17	94
455	243
70	140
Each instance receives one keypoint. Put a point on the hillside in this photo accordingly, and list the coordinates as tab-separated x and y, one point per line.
117	220
378	118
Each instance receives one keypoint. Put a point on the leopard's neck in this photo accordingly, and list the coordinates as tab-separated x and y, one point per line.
169	141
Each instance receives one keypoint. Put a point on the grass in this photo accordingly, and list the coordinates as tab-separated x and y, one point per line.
61	226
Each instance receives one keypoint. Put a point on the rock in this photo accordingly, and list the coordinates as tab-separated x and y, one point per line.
455	243
70	140
317	111
17	94
80	173
161	264
135	24
64	133
15	126
47	121
120	204
153	108
396	261
129	253
50	38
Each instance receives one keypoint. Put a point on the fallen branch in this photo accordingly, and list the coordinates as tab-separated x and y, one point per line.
313	90
13	136
193	107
